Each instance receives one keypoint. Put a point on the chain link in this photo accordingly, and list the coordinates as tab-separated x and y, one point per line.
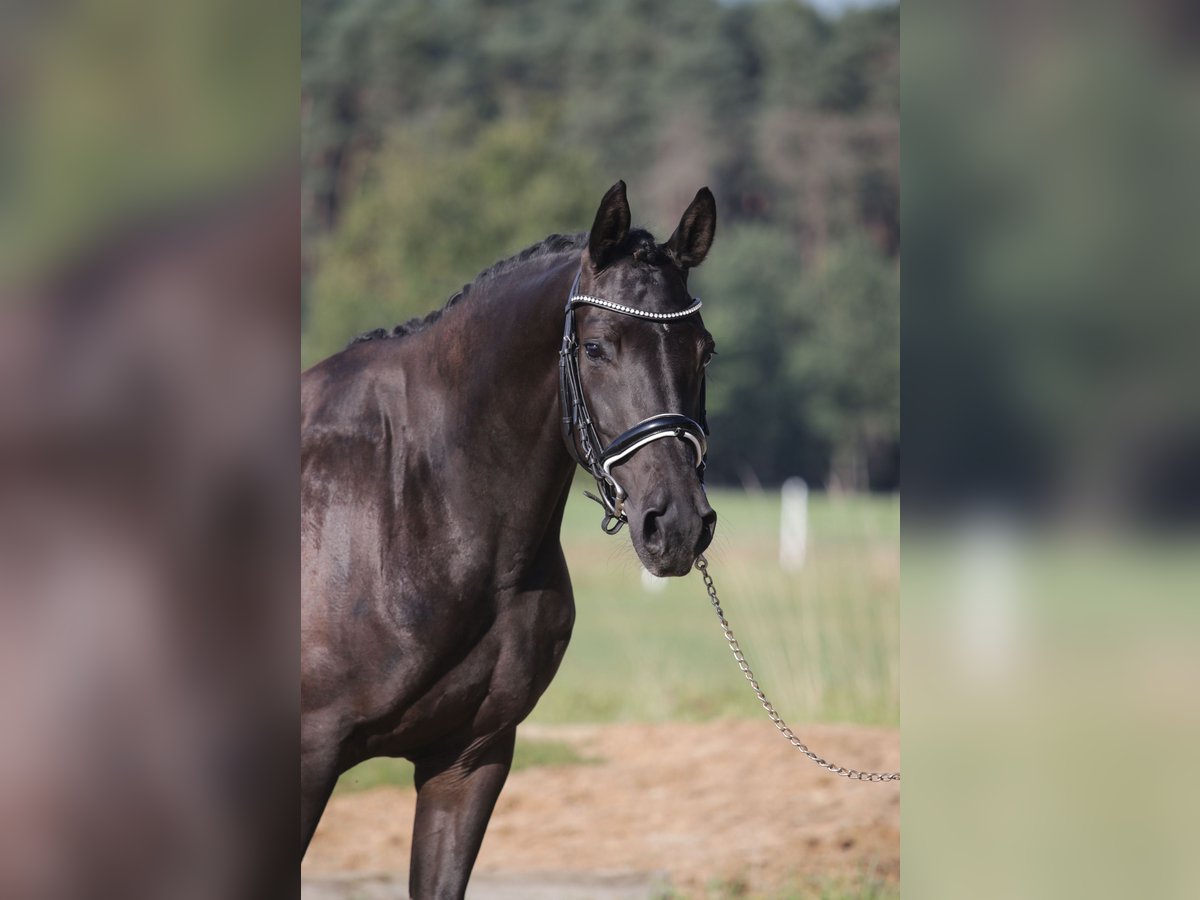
776	720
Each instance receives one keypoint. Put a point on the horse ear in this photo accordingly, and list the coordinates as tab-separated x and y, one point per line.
690	243
611	226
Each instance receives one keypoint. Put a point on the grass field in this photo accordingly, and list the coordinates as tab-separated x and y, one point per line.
399	772
824	642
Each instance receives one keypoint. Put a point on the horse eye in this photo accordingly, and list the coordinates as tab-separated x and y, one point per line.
592	349
708	357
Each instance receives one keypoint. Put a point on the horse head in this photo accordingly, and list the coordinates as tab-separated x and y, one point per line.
639	356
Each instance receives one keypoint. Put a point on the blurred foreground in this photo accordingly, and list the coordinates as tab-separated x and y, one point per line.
148	329
1052	437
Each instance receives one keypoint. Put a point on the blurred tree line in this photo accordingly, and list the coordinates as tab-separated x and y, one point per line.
438	137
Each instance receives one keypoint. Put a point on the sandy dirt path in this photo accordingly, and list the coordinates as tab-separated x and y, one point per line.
691	803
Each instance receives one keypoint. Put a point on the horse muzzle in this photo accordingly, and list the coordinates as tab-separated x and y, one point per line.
669	535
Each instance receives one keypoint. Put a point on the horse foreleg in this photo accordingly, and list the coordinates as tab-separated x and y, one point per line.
455	799
318	775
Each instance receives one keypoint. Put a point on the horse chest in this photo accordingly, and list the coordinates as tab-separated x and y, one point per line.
478	666
515	657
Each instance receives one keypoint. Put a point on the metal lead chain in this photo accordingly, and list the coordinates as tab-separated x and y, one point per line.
776	720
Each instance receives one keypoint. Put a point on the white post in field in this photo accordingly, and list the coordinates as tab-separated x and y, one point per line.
793	525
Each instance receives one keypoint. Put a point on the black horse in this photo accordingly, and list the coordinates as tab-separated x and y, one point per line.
436	600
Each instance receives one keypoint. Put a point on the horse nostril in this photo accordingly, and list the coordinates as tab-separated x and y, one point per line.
652	532
708	529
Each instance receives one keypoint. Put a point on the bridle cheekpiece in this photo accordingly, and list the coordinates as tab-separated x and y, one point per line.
579	432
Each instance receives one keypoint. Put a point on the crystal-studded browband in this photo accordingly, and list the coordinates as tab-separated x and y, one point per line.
585	300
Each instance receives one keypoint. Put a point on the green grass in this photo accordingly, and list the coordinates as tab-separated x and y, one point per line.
385	771
824	642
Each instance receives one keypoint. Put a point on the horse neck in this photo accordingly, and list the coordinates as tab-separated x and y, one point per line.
502	357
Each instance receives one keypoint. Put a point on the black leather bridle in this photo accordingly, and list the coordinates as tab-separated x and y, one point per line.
579	432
